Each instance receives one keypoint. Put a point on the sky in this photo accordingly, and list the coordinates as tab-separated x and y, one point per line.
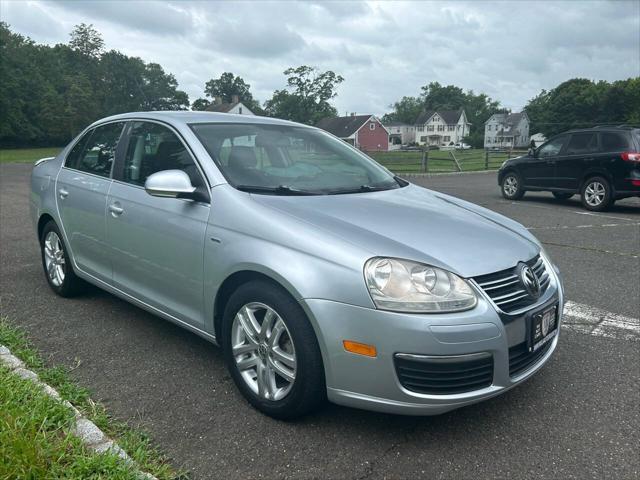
384	50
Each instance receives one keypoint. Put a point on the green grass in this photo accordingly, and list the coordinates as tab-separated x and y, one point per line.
27	155
440	160
33	427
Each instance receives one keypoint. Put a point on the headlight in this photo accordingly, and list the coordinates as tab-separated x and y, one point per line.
405	286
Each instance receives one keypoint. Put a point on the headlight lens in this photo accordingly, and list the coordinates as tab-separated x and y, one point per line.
406	286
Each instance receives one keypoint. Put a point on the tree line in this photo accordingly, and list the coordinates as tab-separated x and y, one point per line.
49	93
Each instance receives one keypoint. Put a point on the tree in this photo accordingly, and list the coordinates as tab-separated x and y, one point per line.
434	96
86	40
229	85
306	97
406	110
200	104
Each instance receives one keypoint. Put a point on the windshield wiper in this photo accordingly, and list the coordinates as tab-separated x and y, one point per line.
279	190
361	189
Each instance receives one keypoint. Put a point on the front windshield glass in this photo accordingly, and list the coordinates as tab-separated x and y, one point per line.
280	159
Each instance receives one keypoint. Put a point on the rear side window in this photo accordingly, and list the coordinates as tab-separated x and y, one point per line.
96	153
613	142
153	148
582	143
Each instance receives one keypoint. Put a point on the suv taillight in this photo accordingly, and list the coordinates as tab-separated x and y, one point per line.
631	157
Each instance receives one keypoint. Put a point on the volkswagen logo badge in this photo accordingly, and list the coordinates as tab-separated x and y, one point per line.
530	280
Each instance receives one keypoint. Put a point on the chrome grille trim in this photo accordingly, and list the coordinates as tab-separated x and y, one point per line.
505	288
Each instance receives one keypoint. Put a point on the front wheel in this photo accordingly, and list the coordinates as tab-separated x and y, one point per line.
562	195
512	186
272	352
596	194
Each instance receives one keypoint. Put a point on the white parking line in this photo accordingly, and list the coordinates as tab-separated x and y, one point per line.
594	321
568	227
604	216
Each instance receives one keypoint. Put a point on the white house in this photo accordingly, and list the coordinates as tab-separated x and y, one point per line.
442	127
507	130
400	133
236	106
537	139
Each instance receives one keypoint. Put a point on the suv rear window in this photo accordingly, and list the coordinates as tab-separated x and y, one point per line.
613	142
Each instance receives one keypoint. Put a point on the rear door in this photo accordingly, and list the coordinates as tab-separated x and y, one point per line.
580	154
81	194
157	243
539	170
612	146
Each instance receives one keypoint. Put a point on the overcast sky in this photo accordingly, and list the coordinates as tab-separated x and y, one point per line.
509	50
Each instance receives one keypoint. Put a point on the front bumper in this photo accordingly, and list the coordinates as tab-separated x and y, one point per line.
373	384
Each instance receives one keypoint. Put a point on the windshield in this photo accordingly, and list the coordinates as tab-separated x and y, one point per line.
289	160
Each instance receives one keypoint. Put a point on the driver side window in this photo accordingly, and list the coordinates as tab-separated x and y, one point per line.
552	148
153	148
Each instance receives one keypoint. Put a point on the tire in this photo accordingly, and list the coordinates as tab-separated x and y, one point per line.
511	186
56	263
562	195
596	194
288	336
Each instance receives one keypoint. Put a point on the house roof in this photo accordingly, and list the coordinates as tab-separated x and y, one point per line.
396	124
508	122
221	107
450	117
343	126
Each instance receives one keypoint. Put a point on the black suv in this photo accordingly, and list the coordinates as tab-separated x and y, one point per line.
602	164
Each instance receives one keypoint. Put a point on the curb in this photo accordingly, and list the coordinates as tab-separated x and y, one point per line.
85	429
442	174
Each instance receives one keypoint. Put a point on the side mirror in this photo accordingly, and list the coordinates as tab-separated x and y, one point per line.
169	184
532	152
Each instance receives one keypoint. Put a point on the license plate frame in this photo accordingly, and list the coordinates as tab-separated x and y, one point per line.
542	327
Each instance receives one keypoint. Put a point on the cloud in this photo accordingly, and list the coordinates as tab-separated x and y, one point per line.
385	50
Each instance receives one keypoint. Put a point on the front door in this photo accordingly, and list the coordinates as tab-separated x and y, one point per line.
539	170
81	194
157	244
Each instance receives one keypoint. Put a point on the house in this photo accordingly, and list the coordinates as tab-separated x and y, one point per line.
537	139
507	130
365	132
441	128
400	133
236	106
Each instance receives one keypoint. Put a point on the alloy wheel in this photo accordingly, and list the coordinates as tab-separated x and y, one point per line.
510	185
54	258
595	193
263	351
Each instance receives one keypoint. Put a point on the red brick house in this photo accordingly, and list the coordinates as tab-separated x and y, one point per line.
365	132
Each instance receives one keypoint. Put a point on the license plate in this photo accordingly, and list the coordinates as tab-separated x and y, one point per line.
544	326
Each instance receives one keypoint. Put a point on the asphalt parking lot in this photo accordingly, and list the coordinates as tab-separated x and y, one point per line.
578	418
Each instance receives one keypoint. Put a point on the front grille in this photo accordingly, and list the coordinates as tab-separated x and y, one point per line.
442	377
521	359
506	289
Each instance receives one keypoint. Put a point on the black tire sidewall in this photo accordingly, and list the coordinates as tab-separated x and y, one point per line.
72	284
519	192
608	197
309	390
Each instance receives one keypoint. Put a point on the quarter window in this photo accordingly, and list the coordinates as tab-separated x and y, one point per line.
582	143
613	142
95	152
153	148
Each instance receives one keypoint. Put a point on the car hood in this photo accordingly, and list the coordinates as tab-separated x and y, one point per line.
417	224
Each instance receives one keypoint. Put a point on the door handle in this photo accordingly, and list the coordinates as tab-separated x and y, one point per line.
63	193
115	209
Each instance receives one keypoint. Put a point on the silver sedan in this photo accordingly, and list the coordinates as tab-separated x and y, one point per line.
319	273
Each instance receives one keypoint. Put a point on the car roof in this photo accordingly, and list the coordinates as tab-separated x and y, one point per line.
182	117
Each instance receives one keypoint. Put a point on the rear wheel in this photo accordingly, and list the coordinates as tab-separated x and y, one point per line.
56	263
272	352
596	194
562	195
512	186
